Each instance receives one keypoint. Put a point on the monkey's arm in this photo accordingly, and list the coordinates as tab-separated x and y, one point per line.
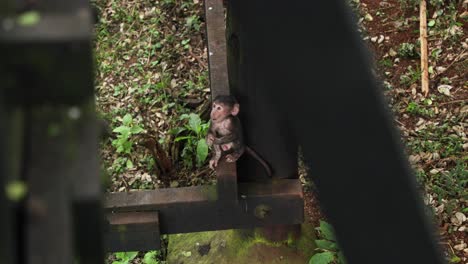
225	139
210	137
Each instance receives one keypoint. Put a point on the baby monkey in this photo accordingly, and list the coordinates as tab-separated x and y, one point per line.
225	133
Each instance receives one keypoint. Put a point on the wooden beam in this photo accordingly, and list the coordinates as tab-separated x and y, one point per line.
226	173
193	209
216	35
132	231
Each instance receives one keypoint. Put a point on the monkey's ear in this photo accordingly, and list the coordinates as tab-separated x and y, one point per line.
235	110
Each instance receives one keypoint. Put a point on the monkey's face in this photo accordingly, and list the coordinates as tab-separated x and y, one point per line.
219	112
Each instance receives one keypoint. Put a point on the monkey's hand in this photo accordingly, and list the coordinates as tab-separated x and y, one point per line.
231	158
210	139
213	164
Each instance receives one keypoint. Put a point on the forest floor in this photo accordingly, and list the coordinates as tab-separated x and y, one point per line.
153	89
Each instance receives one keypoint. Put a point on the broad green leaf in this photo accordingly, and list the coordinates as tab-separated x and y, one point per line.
126	257
150	258
325	244
136	129
322	258
29	18
16	190
184	116
202	151
194	123
129	164
327	231
122	130
127	120
132	255
431	23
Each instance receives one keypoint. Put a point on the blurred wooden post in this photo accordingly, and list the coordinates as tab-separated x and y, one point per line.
51	140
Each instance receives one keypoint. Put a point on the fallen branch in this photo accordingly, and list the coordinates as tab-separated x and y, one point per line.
423	37
454	101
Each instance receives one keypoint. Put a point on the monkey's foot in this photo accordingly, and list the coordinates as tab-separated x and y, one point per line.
213	164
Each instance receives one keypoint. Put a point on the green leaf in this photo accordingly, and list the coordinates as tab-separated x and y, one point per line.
202	151
127	120
195	123
176	131
327	231
184	116
182	138
150	258
430	70
122	130
136	129
132	255
431	23
325	244
129	164
322	258
29	18
126	257
127	145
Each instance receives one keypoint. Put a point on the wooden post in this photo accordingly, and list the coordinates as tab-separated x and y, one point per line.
423	37
266	129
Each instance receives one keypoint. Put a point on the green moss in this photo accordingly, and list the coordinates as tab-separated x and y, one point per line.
241	246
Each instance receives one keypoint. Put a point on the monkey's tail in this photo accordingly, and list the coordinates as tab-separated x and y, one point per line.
259	159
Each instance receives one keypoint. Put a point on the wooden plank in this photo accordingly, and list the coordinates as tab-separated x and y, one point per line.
8	242
193	209
132	231
227	181
216	35
63	206
266	126
85	190
48	223
219	83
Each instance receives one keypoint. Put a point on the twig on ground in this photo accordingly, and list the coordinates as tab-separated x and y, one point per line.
423	37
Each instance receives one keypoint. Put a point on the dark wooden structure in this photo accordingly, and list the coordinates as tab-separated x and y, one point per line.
48	139
224	206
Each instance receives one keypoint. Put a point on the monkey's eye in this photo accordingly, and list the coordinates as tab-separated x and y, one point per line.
218	108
